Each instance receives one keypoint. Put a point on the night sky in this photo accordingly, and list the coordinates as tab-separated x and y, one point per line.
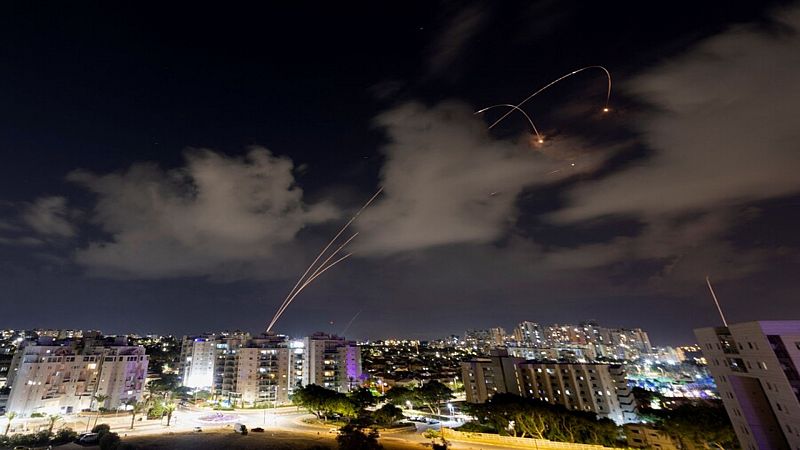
174	168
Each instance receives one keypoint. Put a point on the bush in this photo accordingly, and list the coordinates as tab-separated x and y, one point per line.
109	441
387	415
36	414
29	440
475	427
101	428
64	436
353	438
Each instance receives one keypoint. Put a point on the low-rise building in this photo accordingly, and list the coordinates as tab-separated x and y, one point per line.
641	435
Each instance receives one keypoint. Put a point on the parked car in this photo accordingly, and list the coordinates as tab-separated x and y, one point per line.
334	430
198	429
88	438
240	428
257	430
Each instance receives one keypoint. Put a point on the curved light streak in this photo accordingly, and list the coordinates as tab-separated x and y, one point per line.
548	85
513	107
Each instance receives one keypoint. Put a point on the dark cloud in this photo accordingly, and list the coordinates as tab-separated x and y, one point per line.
452	40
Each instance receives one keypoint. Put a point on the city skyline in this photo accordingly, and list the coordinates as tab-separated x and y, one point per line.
179	177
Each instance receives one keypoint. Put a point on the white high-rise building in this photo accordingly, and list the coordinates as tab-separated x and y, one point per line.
331	362
198	355
756	366
63	379
259	371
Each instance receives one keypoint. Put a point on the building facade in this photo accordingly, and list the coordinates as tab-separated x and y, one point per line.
485	377
598	388
529	334
579	387
756	368
258	371
198	355
65	378
332	362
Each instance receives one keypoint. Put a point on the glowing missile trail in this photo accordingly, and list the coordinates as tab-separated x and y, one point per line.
347	327
306	279
303	286
322	267
548	85
513	107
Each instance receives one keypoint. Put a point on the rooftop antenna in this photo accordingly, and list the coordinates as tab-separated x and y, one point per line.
716	302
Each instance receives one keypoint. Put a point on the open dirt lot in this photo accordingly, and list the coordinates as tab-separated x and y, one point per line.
227	440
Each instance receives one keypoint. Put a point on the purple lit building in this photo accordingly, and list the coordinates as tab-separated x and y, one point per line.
332	362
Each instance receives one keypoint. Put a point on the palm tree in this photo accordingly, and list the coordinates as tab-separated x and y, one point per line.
10	416
101	400
169	407
138	407
52	419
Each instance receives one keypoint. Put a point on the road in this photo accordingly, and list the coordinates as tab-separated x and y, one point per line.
283	424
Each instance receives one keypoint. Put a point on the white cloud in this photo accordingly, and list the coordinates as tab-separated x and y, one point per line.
446	181
724	129
216	214
49	216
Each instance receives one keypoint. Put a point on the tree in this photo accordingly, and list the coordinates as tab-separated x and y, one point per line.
167	386
363	398
342	405
64	436
138	407
101	400
645	398
101	429
387	414
317	399
109	441
353	438
169	407
51	422
517	416
432	394
10	416
399	395
700	425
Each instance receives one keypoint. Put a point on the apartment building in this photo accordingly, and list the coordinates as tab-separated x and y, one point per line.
487	376
598	388
65	377
263	370
756	367
332	362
